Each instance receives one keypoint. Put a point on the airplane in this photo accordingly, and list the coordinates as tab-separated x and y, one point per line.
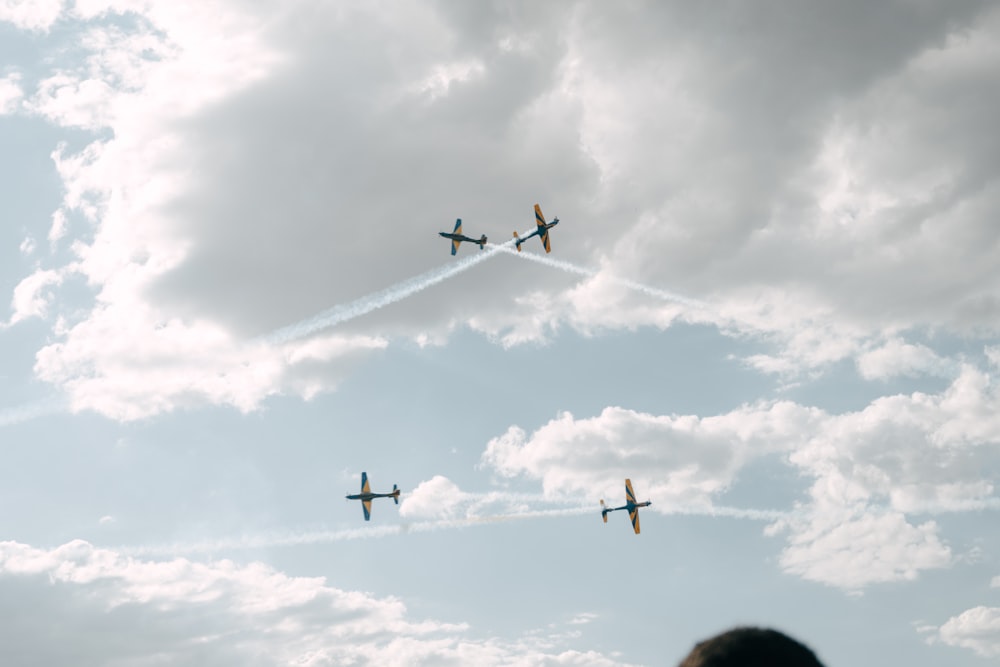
630	504
457	237
542	231
366	496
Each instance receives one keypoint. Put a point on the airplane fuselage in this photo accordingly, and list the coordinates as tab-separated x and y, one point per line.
462	237
539	231
628	506
369	496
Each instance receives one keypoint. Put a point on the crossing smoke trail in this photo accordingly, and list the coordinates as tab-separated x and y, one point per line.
395	293
390	295
268	540
590	273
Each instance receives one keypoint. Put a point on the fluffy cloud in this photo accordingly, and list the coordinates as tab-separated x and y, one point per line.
682	461
204	232
117	610
872	470
440	499
243	181
33	295
841	204
127	358
977	629
10	93
853	552
125	364
896	358
845	208
36	15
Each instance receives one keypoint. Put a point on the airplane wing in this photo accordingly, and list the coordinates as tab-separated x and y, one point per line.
543	232
365	487
458	230
629	493
366	505
634	515
539	218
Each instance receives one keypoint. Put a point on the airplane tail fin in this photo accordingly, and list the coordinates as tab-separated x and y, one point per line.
482	242
395	494
604	511
518	241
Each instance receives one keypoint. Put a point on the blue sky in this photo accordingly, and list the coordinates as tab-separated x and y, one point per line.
772	302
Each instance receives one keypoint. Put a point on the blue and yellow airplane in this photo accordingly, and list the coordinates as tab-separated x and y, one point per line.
630	504
457	237
366	496
542	231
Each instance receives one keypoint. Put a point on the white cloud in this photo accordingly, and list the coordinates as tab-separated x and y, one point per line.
33	295
897	357
10	93
853	552
240	163
681	461
850	229
112	609
59	226
442	77
31	14
438	497
27	246
977	629
129	359
126	363
871	471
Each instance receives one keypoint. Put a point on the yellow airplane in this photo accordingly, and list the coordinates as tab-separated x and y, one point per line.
366	496
630	504
542	231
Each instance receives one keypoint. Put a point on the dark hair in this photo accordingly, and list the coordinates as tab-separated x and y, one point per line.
751	647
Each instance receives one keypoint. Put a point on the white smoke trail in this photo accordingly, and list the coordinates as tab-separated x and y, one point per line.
568	267
265	540
390	295
732	513
300	538
395	293
24	413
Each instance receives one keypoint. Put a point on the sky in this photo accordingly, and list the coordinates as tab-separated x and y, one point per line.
772	302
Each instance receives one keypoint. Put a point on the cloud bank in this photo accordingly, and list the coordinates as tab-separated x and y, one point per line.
110	609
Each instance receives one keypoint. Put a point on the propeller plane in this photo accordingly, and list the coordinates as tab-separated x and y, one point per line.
630	504
457	237
366	496
542	232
